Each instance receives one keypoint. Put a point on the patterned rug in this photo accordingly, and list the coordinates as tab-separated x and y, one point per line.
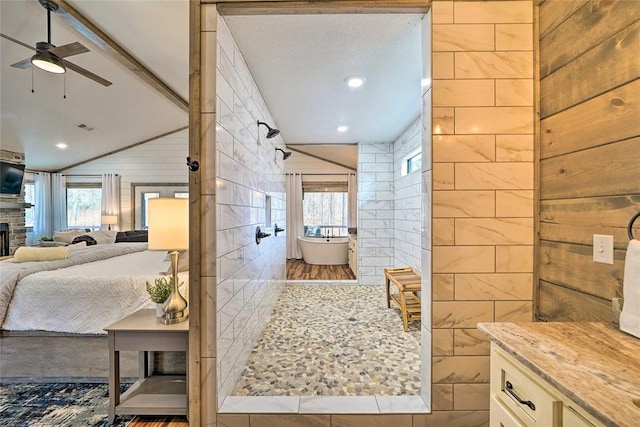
57	404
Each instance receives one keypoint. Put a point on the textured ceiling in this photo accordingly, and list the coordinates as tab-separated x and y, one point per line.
300	63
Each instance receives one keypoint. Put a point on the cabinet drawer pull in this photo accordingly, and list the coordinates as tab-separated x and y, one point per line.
529	403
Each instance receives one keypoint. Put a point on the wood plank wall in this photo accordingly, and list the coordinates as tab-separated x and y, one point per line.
589	151
158	161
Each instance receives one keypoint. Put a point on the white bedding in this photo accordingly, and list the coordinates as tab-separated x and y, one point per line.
86	298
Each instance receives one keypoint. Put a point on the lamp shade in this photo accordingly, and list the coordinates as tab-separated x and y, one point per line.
168	223
109	219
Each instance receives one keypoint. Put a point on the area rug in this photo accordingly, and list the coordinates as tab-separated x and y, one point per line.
57	404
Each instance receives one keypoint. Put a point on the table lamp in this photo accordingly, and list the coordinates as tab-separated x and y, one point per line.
109	220
168	223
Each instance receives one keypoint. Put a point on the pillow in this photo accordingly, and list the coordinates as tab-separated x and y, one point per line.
84	238
78	245
103	236
67	236
132	236
51	244
183	262
25	254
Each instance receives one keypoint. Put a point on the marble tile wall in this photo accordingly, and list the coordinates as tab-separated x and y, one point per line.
407	200
249	277
483	124
498	153
426	352
375	211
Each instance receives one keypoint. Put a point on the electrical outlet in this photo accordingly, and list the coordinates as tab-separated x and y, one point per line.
603	249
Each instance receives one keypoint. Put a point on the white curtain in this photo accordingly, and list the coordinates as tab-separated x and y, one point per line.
111	195
295	223
352	191
59	201
42	226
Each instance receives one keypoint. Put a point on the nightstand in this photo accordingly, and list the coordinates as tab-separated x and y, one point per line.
151	394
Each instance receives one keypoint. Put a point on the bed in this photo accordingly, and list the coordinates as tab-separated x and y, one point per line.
52	313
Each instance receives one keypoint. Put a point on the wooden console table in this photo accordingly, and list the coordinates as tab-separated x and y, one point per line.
151	394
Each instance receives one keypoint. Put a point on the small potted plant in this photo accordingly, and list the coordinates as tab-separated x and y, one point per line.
159	292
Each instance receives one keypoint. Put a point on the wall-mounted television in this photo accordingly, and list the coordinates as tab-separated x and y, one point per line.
11	177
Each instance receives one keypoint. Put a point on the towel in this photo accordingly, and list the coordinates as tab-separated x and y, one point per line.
630	316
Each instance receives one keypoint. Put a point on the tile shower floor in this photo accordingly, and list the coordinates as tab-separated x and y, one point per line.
333	341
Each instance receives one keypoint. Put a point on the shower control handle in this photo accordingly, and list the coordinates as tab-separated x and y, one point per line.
260	235
277	230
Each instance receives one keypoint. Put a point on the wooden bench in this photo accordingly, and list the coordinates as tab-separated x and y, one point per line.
408	283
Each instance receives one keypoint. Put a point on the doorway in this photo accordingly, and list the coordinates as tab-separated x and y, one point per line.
375	197
322	213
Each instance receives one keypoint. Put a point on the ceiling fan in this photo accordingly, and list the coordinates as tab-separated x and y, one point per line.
49	57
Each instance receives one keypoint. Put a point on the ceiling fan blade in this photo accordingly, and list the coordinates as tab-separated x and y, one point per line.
23	65
4	36
88	74
70	49
67	50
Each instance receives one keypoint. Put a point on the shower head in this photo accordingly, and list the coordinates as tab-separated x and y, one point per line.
285	154
272	132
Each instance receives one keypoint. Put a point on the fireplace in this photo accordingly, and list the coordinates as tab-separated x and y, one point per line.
13	232
4	239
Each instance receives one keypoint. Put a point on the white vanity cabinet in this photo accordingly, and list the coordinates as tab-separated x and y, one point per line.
520	398
353	254
570	374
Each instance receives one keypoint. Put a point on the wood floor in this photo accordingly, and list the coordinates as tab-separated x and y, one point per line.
299	270
159	421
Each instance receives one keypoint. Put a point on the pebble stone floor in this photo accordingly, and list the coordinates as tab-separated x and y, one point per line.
333	341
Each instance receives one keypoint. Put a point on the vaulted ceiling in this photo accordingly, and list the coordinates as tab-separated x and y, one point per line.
299	63
127	112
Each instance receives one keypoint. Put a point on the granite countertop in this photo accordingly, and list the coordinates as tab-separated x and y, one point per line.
594	364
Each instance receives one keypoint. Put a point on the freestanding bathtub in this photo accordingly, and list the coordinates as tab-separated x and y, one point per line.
324	251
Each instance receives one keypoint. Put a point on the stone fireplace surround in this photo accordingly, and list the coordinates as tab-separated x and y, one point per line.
12	209
12	213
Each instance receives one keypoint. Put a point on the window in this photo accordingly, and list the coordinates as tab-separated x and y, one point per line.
146	196
143	192
152	195
29	197
412	162
84	206
325	209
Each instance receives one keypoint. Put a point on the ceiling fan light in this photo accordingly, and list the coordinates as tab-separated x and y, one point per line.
48	62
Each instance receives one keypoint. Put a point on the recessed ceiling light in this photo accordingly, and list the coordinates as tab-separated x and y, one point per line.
355	81
61	145
342	128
